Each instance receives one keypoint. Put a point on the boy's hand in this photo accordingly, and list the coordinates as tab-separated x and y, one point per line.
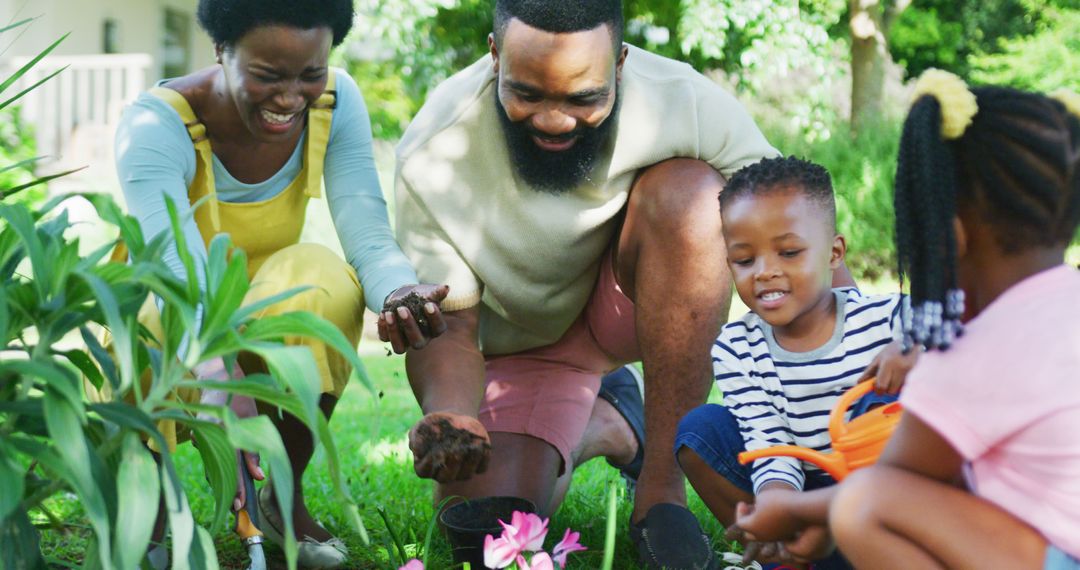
769	518
890	368
812	543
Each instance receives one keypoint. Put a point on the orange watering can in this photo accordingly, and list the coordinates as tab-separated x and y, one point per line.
855	444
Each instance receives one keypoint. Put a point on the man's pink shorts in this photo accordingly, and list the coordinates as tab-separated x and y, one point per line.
549	392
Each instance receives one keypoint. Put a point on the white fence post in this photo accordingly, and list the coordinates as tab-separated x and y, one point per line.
91	92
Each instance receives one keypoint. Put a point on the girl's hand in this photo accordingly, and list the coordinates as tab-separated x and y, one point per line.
243	407
411	316
890	368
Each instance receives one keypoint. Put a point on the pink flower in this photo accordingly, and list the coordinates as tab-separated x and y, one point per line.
568	544
540	561
499	552
525	531
413	564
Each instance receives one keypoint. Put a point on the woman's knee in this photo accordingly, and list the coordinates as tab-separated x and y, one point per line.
332	283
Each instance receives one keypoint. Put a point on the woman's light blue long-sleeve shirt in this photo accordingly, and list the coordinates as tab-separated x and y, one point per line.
155	158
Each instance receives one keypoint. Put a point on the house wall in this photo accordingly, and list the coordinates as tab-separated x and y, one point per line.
140	28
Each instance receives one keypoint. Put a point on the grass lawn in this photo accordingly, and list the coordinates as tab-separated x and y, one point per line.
371	436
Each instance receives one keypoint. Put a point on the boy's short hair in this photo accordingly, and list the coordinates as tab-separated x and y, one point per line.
781	174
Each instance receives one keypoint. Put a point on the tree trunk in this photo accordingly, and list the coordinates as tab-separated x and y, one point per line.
869	21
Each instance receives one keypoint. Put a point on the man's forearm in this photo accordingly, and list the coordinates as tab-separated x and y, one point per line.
448	374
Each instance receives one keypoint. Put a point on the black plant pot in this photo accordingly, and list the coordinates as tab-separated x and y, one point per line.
467	523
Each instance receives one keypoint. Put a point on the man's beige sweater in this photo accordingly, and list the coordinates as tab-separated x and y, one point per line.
531	258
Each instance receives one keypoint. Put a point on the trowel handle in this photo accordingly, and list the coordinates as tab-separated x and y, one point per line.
247	520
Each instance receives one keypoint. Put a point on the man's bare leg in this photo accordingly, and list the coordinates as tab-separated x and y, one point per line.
671	262
524	466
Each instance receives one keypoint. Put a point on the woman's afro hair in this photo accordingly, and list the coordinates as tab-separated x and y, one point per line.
226	21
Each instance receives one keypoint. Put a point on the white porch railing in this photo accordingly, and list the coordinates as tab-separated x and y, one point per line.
85	98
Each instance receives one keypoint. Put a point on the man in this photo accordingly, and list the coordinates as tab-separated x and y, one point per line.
566	189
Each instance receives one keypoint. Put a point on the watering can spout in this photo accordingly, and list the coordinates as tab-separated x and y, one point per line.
855	444
832	464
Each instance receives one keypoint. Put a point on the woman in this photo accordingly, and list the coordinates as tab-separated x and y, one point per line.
245	144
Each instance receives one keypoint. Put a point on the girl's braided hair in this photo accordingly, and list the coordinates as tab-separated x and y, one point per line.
1009	157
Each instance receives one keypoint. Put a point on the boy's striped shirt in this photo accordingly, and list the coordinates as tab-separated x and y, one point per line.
784	398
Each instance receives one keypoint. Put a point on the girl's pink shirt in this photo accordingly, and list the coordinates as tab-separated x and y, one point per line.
1007	397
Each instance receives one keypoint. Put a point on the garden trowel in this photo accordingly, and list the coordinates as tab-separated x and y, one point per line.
247	524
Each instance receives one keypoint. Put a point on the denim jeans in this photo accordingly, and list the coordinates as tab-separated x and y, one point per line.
712	432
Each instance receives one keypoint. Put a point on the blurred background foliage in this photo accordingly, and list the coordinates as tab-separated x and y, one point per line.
17	146
825	79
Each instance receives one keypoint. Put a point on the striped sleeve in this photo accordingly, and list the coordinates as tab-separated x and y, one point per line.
759	410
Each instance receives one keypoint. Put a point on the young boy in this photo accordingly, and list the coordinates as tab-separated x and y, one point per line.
782	367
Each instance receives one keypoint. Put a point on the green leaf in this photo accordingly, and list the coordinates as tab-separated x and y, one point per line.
192	281
402	556
130	230
137	486
30	64
273	327
19	220
203	554
612	522
294	367
227	286
122	340
260	387
181	523
247	311
55	380
130	417
22	163
11	481
5	319
219	460
259	434
16	24
19	543
70	442
102	356
45	455
9	192
85	365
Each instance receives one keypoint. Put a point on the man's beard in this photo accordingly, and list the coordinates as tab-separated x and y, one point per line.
560	171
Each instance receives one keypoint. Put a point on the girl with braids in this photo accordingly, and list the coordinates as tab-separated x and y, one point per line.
979	474
987	199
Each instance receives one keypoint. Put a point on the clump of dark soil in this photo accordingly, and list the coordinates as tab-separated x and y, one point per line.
415	304
443	439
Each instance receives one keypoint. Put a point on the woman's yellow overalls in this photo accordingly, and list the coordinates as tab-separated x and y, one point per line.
269	232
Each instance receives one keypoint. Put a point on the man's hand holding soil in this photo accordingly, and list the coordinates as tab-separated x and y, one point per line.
449	447
449	443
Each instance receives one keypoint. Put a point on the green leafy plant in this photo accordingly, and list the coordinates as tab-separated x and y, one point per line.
53	440
15	139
